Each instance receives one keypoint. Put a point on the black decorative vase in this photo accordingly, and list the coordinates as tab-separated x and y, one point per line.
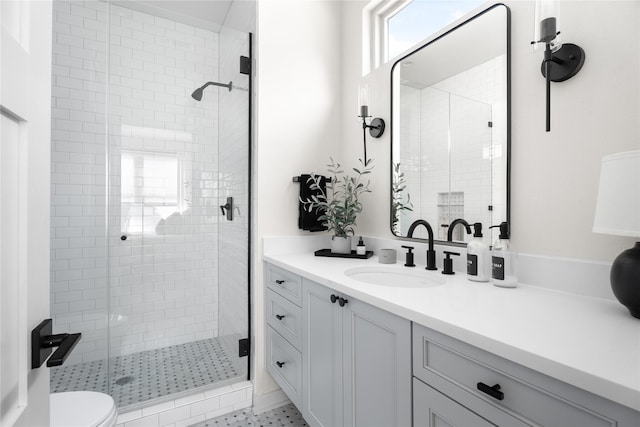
625	279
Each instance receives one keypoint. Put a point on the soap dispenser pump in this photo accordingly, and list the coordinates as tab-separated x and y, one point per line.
503	260
477	256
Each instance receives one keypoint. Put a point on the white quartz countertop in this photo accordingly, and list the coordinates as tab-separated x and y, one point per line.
588	342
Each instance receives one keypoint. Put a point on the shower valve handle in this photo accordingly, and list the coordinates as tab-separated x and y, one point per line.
227	209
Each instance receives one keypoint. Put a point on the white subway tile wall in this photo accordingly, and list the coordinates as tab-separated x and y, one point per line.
166	178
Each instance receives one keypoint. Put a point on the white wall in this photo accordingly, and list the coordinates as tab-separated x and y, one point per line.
299	123
554	175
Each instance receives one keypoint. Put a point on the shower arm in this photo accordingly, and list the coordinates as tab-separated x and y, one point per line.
227	85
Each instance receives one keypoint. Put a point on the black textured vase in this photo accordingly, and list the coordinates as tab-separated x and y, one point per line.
625	279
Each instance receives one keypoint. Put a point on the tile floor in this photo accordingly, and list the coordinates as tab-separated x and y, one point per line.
151	374
285	416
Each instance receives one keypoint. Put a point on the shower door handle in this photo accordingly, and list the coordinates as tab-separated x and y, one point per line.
228	209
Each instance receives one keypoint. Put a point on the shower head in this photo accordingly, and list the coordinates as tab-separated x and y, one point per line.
197	94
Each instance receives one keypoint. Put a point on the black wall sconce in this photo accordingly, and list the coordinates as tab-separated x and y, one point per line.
375	126
561	60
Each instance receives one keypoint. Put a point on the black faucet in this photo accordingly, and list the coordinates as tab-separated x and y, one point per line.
453	225
431	253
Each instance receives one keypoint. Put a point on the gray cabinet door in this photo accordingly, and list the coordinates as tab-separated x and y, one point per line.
377	367
322	357
357	362
433	409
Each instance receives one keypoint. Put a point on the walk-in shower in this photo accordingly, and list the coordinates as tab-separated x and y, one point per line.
144	264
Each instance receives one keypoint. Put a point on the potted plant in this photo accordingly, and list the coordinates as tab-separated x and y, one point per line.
338	202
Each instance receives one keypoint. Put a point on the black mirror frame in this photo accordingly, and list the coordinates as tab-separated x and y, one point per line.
508	136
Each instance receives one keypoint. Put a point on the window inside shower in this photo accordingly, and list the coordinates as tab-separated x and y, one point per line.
144	264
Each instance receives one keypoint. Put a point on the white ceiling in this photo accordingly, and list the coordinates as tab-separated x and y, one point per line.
208	14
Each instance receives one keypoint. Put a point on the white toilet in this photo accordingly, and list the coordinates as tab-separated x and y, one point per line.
82	409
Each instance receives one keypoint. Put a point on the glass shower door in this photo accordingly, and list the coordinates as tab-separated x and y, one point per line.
179	280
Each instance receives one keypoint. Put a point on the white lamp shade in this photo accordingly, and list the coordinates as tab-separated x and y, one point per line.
618	206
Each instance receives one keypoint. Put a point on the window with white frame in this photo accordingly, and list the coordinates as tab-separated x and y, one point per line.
394	26
151	190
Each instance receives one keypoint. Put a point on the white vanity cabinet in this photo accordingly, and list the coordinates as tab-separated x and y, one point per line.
341	361
356	362
284	329
344	362
449	373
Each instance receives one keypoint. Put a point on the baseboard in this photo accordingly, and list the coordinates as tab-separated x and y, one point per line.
268	401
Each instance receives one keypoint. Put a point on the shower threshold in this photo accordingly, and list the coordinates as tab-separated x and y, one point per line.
153	374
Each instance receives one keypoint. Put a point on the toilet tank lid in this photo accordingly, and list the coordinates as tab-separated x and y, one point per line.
80	408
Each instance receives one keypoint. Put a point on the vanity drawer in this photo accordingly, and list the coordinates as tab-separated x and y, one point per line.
285	283
439	359
284	363
285	317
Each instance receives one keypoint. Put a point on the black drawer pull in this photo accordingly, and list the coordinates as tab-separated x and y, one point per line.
333	298
279	282
279	316
280	364
342	301
491	391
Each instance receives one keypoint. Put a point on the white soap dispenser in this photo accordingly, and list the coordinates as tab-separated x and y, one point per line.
503	260
477	256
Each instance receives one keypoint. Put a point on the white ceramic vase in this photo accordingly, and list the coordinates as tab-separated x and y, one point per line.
341	245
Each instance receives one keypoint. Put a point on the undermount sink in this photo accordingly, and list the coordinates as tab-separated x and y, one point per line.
398	277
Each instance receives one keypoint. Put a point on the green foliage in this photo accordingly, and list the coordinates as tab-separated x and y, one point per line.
398	204
339	203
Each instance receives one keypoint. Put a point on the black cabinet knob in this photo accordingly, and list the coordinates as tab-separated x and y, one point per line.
123	238
491	391
279	282
279	316
342	301
280	364
333	298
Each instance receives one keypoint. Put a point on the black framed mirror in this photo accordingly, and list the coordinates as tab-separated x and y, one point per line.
451	131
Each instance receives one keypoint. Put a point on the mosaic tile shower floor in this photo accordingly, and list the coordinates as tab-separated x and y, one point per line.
285	416
151	374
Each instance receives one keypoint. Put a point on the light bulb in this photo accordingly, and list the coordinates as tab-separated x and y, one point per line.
363	100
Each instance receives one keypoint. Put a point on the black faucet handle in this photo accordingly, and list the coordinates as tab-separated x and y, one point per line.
448	262
409	257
